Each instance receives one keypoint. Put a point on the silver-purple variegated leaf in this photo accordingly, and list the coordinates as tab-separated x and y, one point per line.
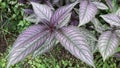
27	42
75	42
107	44
28	11
49	43
64	21
118	12
42	11
87	11
61	13
112	19
109	3
100	5
32	18
98	26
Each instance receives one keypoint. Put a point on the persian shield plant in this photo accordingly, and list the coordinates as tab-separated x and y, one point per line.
41	37
53	26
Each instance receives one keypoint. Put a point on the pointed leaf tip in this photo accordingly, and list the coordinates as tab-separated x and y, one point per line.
87	11
43	11
61	12
107	44
112	19
75	42
27	42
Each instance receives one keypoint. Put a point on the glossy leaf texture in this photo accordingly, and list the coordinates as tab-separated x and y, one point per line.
112	19
61	13
107	44
42	11
49	43
100	5
87	11
75	42
98	26
27	42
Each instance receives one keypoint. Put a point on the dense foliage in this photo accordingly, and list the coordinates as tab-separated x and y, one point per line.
81	26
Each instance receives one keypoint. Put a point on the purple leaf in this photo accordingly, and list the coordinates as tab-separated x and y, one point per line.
22	1
112	19
28	11
64	21
107	44
27	42
74	22
61	13
36	0
43	12
74	19
75	42
49	43
87	11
